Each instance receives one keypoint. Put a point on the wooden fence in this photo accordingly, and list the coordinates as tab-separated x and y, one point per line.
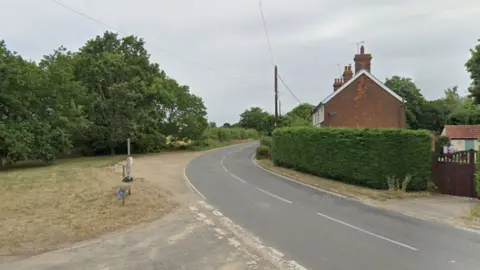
455	174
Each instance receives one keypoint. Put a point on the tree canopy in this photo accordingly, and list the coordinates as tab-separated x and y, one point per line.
92	100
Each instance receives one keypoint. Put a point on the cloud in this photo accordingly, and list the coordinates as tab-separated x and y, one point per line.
427	41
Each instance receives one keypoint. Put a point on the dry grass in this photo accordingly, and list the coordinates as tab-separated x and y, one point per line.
474	214
44	208
339	187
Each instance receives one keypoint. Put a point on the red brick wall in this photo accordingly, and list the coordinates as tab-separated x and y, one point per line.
365	104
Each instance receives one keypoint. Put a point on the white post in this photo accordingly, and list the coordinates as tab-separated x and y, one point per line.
128	147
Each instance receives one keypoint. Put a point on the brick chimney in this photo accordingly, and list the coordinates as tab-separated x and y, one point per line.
362	60
337	84
347	74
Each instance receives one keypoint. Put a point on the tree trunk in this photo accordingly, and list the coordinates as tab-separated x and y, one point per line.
112	150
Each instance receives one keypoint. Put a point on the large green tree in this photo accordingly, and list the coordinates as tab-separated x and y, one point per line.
473	67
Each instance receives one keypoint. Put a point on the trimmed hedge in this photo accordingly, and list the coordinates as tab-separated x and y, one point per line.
263	152
356	156
228	134
267	141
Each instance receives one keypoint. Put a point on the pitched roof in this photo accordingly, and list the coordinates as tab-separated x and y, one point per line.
345	85
462	131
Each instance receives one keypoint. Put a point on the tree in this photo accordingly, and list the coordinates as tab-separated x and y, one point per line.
227	125
473	67
212	125
302	111
255	118
405	88
30	111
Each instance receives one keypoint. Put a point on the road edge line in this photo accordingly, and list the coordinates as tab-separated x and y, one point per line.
254	161
189	183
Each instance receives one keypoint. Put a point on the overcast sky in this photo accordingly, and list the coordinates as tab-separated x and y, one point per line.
427	40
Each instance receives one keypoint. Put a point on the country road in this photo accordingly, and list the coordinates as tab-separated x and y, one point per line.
320	230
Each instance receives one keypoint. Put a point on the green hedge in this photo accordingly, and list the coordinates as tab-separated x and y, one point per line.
263	152
228	134
356	156
267	141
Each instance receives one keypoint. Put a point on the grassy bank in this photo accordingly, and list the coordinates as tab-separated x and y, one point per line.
47	207
339	187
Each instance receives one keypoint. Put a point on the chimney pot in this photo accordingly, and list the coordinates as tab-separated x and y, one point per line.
362	60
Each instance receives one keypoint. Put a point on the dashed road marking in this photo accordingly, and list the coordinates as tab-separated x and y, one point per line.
273	195
233	242
218	214
201	216
368	232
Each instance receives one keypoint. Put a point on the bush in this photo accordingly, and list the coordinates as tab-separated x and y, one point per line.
263	152
364	157
440	142
267	141
229	134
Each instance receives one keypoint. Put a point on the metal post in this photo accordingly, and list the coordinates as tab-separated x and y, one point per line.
276	96
128	147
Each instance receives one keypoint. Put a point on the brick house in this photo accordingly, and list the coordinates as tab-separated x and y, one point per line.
360	100
462	137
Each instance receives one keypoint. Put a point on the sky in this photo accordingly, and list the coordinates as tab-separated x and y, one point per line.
219	47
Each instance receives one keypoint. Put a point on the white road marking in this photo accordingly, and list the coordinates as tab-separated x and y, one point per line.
220	231
238	178
216	213
293	265
209	222
201	216
273	195
233	242
298	182
367	232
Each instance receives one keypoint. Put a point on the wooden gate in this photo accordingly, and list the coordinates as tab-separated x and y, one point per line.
455	175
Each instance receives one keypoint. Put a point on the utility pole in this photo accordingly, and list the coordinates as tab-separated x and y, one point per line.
276	97
279	108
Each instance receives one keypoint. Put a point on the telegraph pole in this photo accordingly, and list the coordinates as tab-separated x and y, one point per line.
276	97
279	108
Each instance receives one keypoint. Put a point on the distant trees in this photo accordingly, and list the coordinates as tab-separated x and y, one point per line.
92	99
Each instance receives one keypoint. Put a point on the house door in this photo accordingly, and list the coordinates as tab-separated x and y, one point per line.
469	144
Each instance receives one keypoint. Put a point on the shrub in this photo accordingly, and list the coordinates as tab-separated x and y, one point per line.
263	152
440	142
267	141
357	156
228	134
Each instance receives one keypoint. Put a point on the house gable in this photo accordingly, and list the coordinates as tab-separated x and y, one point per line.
364	103
345	85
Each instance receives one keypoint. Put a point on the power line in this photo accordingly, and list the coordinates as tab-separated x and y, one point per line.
266	32
158	48
271	51
289	90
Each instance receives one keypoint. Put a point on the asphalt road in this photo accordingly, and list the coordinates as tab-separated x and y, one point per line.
322	231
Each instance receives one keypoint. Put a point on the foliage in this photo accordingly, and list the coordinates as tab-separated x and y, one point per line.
440	142
267	141
229	134
227	125
473	67
263	152
356	156
93	99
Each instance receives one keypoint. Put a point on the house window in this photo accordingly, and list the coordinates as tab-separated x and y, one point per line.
469	144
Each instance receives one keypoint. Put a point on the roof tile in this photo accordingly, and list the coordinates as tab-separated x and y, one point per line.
463	131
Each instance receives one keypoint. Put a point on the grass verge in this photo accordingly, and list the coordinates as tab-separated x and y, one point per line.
474	214
362	193
44	208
